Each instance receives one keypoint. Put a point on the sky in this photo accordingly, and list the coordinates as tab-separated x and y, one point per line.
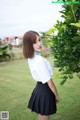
19	16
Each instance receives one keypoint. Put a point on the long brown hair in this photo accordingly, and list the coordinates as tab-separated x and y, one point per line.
29	39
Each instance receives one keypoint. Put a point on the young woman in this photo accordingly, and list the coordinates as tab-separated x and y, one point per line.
44	96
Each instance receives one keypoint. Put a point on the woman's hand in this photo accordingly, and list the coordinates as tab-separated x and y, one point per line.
57	99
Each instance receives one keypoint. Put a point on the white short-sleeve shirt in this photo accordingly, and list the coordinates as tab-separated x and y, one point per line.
40	68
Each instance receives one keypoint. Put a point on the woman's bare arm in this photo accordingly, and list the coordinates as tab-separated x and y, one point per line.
53	89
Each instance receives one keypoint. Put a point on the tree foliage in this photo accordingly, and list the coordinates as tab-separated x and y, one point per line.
65	44
64	1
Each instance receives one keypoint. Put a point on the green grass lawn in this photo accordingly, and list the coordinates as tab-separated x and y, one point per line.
16	85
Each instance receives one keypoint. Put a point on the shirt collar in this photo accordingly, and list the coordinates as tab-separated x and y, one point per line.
36	53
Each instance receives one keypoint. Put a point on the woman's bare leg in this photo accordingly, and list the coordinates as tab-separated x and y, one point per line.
43	117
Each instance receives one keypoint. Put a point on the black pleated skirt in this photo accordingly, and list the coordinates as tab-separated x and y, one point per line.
42	100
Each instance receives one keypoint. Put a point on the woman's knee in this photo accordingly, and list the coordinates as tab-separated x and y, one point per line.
43	117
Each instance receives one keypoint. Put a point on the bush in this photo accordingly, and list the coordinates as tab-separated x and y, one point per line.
4	55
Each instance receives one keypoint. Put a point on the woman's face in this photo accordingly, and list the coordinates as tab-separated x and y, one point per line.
38	44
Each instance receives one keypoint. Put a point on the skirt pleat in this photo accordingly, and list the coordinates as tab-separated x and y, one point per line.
42	100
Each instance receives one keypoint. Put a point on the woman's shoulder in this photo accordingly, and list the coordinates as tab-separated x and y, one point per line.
38	58
41	58
35	58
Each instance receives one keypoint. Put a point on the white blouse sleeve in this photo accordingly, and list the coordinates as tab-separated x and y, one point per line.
42	70
49	67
